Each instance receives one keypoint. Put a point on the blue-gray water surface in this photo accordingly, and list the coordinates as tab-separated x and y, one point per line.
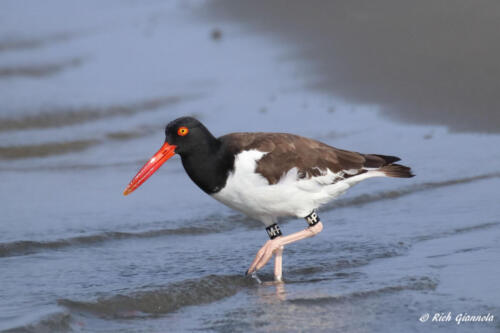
86	89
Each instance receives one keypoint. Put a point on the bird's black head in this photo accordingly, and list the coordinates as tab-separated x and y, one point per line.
198	148
189	136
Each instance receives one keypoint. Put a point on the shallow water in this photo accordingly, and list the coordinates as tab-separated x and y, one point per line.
76	255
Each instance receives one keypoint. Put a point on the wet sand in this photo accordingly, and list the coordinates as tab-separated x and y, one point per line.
425	62
39	70
33	43
69	116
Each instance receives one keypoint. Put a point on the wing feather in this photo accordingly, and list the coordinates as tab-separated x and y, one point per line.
311	158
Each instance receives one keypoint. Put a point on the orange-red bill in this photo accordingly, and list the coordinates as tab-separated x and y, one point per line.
166	151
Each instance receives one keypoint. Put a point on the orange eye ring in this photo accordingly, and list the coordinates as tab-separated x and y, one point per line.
182	131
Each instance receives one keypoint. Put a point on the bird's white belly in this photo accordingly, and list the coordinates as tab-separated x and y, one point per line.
250	193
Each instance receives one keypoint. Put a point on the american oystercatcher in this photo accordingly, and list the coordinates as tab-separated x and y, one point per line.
267	176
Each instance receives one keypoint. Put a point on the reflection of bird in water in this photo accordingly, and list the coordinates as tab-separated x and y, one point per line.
268	176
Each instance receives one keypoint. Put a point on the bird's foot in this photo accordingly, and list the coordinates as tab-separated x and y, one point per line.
256	277
265	254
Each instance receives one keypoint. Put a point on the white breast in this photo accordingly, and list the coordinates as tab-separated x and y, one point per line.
251	193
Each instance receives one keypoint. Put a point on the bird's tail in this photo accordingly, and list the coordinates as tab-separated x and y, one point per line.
385	164
397	170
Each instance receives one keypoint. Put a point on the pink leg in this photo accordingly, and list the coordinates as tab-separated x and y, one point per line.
278	264
267	251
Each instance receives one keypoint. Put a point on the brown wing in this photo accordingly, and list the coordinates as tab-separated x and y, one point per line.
310	157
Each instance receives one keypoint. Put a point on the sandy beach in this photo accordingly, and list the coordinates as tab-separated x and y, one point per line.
427	62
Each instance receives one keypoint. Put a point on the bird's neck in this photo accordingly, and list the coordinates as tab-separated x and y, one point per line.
209	166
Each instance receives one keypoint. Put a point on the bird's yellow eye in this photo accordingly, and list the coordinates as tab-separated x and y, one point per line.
182	131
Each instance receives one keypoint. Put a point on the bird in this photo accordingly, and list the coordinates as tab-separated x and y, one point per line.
267	176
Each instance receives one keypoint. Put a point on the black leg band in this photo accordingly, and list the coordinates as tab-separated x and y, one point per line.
273	231
312	219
